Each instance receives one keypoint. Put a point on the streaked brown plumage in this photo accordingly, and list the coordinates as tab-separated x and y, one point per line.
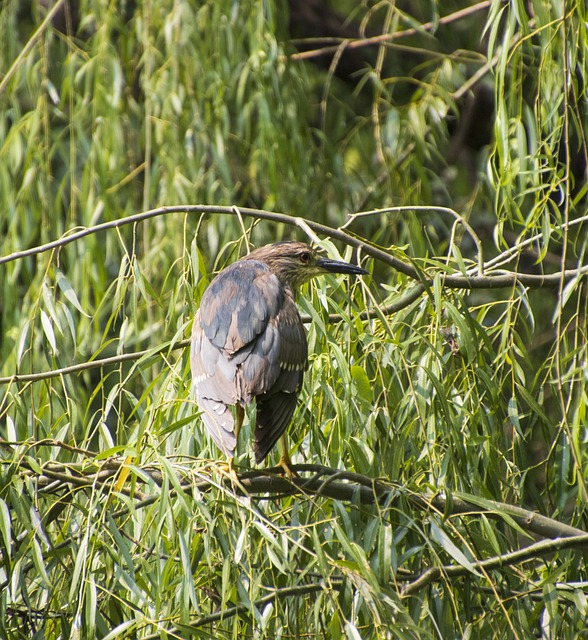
248	342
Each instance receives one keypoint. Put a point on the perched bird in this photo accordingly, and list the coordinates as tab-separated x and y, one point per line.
248	343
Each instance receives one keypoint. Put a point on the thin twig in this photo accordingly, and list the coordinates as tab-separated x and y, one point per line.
389	37
464	504
230	612
46	442
427	209
30	44
91	364
401	303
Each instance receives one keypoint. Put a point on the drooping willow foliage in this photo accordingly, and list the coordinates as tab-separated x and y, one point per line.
441	435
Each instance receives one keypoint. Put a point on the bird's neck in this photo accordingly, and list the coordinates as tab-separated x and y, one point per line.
290	290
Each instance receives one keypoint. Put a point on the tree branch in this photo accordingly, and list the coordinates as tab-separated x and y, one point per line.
490	281
388	37
230	612
514	557
271	484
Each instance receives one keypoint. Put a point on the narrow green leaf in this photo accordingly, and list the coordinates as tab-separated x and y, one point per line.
90	602
449	546
48	330
121	631
6	527
240	545
513	415
68	291
22	342
114	451
48	300
78	570
40	563
361	382
187	585
352	631
70	324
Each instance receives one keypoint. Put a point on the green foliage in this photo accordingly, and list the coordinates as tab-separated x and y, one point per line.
423	393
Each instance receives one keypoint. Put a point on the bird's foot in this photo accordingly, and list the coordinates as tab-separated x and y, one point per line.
228	469
285	460
286	464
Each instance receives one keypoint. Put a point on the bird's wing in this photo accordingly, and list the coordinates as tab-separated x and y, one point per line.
235	352
276	407
212	381
239	303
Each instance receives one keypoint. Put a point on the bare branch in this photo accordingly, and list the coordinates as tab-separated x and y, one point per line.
514	557
494	280
337	484
389	37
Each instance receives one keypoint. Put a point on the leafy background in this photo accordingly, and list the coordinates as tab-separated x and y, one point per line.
441	433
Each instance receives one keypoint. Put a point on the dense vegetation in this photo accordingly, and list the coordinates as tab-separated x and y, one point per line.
441	436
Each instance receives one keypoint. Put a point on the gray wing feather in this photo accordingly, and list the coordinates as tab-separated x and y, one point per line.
247	342
239	303
276	407
212	384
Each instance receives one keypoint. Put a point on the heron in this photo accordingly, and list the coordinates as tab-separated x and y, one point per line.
249	344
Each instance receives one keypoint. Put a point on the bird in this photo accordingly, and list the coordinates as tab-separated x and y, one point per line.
249	344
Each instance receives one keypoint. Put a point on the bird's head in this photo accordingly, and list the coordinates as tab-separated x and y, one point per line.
295	263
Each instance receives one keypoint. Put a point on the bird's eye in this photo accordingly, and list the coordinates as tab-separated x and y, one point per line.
305	257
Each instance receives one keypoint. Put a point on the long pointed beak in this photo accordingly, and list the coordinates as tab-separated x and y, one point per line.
338	266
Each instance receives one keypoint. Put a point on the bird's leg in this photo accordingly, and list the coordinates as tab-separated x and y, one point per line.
240	411
240	416
285	460
239	422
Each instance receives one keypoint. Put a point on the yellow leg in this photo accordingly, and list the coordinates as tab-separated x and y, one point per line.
239	422
285	460
232	471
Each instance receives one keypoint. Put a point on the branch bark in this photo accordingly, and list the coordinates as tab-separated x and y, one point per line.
514	557
490	281
336	484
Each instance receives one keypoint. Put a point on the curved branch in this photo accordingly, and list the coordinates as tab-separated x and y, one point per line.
468	281
84	366
388	37
323	481
426	209
349	485
230	612
431	575
514	557
337	484
492	281
464	504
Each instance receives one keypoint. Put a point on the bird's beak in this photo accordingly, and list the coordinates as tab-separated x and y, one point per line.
338	266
